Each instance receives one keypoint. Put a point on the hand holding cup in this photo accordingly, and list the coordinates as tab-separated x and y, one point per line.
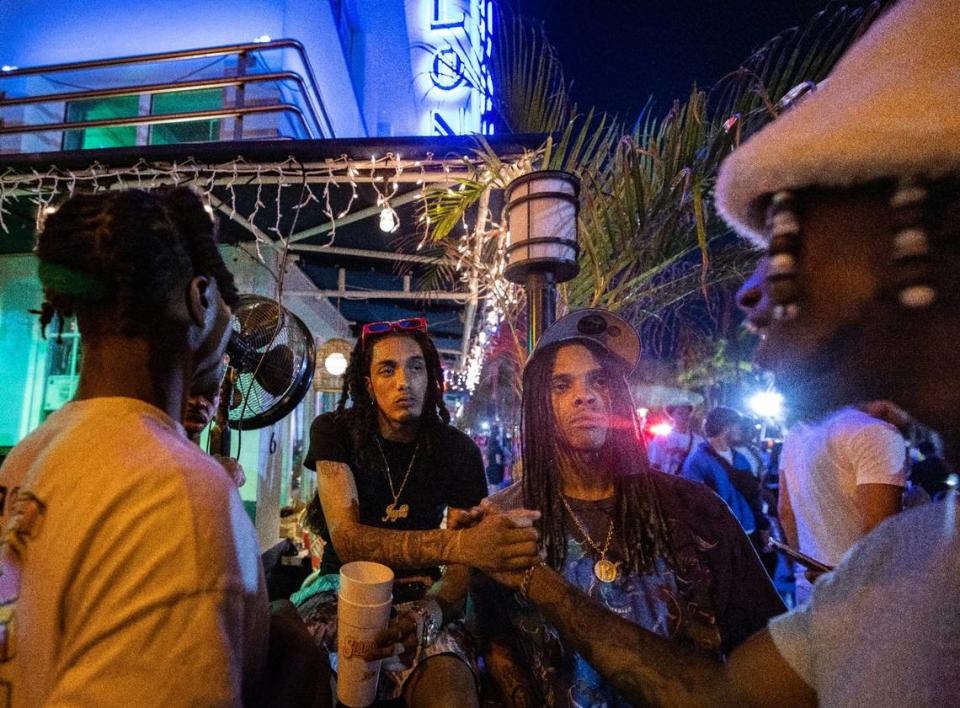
399	640
363	610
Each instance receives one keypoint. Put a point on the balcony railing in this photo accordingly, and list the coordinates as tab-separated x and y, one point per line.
236	92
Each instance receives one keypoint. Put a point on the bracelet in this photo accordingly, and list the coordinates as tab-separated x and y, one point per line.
429	621
527	577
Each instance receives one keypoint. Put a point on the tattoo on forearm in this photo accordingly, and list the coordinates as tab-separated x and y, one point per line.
516	691
355	541
512	679
451	591
398	549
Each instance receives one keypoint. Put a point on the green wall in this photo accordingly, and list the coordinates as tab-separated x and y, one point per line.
22	352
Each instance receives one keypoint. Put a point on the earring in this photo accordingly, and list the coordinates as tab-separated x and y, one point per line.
910	260
784	251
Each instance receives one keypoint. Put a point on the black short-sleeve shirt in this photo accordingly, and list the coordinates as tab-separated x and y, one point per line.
448	472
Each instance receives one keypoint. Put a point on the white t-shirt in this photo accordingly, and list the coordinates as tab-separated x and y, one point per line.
131	574
883	630
667	452
824	463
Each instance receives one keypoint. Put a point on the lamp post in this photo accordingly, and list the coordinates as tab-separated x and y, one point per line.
542	245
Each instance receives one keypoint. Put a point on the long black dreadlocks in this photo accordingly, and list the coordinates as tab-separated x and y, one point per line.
623	458
119	254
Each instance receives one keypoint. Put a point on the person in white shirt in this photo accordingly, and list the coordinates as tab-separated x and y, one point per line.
667	453
840	476
129	571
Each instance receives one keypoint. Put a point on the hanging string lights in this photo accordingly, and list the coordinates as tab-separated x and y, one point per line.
251	194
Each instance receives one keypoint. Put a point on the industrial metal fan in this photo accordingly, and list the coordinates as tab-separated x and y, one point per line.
272	357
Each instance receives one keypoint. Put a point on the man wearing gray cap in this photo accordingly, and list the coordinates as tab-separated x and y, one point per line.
663	553
855	195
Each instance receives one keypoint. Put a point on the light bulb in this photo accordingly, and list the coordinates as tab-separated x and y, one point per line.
388	220
335	363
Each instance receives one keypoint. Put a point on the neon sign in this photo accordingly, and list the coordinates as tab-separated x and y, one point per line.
451	42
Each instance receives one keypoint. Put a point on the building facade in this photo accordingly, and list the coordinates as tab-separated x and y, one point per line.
109	74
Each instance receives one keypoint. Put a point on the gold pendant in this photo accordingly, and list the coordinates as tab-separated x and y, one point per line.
395	513
606	571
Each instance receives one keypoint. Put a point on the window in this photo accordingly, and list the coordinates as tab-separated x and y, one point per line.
101	109
195	131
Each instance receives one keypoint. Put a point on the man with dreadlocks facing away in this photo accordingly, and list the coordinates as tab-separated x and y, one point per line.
129	571
659	551
387	467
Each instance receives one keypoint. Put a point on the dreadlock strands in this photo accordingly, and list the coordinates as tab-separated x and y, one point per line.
641	528
125	251
64	280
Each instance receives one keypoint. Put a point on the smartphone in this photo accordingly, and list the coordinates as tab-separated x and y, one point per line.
801	558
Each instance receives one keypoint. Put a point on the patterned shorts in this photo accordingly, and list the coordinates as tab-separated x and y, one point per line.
319	613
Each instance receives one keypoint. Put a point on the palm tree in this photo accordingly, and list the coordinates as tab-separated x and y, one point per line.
652	247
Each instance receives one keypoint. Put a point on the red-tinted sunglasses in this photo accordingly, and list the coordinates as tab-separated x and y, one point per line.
411	324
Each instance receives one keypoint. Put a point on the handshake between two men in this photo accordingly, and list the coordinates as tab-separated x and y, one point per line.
501	544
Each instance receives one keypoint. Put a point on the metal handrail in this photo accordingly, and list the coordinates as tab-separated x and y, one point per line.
155	119
224	50
168	87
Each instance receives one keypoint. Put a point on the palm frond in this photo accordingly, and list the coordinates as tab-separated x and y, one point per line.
652	245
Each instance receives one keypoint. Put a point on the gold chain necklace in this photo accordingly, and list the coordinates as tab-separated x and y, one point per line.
605	570
394	513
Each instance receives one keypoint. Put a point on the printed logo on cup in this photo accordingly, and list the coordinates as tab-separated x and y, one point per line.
350	647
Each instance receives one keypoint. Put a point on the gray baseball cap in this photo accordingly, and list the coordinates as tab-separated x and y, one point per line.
612	332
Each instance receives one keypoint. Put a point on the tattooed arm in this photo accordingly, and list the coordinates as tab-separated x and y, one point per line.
493	544
451	591
509	674
651	670
497	643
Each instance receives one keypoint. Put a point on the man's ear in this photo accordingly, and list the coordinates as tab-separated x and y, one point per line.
202	300
369	386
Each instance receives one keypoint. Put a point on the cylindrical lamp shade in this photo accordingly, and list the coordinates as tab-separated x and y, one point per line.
542	212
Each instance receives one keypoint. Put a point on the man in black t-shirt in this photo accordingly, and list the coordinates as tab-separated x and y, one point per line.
387	469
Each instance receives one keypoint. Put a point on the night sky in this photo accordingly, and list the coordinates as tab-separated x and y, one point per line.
618	53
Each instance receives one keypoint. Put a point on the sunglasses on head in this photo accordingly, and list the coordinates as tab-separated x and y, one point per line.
411	324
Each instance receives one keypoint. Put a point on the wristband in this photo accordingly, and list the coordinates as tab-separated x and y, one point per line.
429	621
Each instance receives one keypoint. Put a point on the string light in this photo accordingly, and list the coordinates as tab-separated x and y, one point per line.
388	220
218	184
